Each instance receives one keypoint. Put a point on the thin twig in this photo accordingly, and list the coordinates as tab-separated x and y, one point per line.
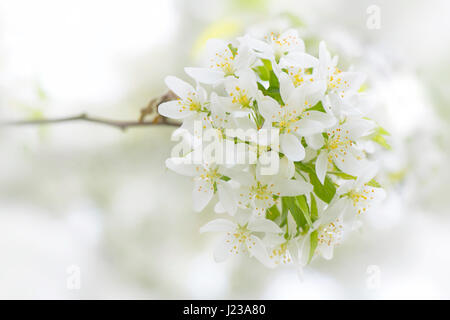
84	117
150	109
152	106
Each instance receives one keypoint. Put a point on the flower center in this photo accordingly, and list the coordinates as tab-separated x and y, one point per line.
289	117
238	238
260	191
224	62
240	96
191	103
299	75
331	233
210	175
361	198
280	254
338	143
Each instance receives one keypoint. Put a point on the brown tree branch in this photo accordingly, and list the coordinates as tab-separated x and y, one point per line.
123	125
84	117
152	106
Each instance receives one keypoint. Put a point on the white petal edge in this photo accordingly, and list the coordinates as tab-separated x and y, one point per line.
173	110
179	87
202	194
291	147
322	165
218	225
226	197
205	75
264	225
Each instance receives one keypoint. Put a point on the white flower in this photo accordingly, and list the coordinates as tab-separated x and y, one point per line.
284	248
330	229
260	192
241	238
243	90
206	178
356	105
293	118
329	236
276	45
334	80
340	148
359	194
273	119
300	67
221	108
222	62
190	102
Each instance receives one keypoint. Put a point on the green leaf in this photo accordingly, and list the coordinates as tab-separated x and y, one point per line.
232	49
296	213
343	175
273	81
314	210
274	84
303	205
271	92
313	244
267	64
324	191
318	107
381	141
378	137
374	183
263	73
284	212
273	213
382	131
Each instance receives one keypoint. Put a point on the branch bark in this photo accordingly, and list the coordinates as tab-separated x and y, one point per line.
123	125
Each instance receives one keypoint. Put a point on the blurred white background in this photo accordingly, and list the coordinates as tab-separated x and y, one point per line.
82	199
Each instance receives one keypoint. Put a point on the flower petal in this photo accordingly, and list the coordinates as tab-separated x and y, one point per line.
315	141
268	106
287	168
286	86
183	166
264	225
358	127
322	165
327	251
289	41
334	210
202	194
222	250
292	188
226	197
257	249
299	59
218	208
291	146
307	127
323	118
218	225
174	110
181	88
205	75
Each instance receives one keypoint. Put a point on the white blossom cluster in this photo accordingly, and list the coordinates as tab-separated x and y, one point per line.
277	137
